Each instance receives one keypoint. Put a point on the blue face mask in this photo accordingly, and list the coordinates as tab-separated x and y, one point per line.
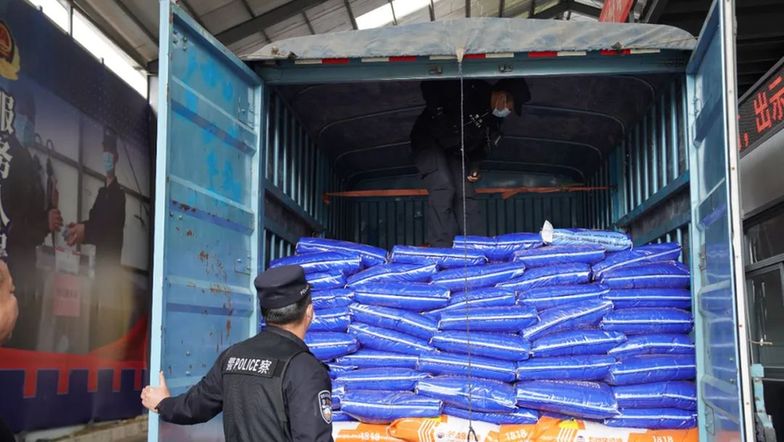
501	113
25	130
108	162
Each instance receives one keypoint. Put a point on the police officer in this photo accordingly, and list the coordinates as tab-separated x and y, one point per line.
269	387
104	227
29	221
436	148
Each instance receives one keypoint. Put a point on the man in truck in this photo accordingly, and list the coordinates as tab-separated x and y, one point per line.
269	387
436	148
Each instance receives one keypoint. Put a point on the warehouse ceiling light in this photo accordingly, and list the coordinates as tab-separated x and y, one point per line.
390	13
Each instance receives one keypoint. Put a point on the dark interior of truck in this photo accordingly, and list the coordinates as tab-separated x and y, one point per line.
563	137
565	131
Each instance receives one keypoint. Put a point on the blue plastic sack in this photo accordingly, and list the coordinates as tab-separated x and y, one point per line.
326	346
500	248
366	358
584	315
561	274
326	280
633	298
654	344
334	298
341	416
381	378
336	368
645	369
485	297
543	298
671	274
506	245
610	241
320	262
331	320
370	255
654	419
381	407
337	393
499	319
456	364
485	395
394	319
640	255
477	277
674	394
589	400
576	342
393	273
444	258
506	347
378	338
412	296
553	255
640	321
521	416
577	368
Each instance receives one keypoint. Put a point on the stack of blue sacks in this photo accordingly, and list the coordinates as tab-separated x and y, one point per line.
505	329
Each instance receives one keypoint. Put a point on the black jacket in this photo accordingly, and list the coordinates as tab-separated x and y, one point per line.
439	123
106	223
269	387
23	201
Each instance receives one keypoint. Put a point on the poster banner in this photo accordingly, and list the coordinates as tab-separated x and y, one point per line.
74	228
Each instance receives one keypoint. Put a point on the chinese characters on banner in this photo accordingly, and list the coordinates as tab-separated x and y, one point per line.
6	129
762	111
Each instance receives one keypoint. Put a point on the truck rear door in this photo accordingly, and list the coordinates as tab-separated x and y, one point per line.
206	210
716	234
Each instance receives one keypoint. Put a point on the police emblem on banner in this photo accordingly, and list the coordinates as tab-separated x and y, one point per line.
325	405
9	53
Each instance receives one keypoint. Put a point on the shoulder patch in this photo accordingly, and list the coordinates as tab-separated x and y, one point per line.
324	400
250	366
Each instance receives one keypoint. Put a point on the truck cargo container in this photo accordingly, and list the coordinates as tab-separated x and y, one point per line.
253	154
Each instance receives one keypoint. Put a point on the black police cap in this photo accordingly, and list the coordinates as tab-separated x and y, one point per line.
281	286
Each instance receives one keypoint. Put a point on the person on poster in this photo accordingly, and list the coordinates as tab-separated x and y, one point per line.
23	207
105	225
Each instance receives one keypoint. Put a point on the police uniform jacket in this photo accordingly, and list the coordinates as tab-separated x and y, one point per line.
269	387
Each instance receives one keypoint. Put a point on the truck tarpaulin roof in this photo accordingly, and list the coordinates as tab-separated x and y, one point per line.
478	36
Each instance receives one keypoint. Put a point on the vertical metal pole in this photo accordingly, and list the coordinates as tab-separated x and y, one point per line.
663	140
675	117
276	144
637	168
654	174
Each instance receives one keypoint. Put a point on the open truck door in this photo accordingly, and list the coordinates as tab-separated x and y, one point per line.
716	234
206	210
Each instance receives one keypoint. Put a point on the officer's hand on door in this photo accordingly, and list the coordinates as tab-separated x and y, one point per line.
152	396
473	177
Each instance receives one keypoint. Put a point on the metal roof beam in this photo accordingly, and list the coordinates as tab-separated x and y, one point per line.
145	30
108	30
258	23
350	12
584	9
553	11
653	11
